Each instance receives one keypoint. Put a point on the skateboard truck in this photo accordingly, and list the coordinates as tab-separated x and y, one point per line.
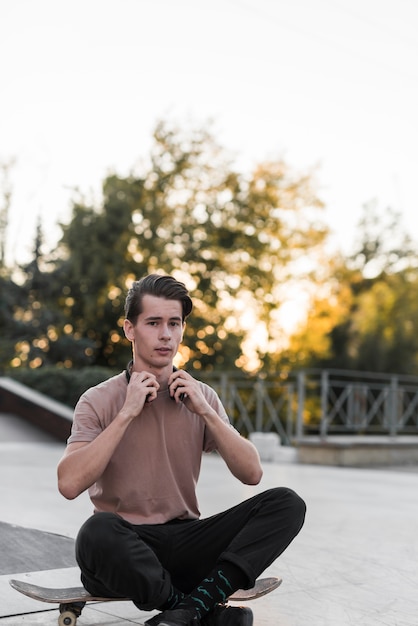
69	613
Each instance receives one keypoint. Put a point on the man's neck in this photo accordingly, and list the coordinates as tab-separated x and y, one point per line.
162	374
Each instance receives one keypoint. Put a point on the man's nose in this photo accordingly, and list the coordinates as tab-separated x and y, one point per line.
165	331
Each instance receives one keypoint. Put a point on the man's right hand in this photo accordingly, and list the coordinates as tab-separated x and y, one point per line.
142	387
84	462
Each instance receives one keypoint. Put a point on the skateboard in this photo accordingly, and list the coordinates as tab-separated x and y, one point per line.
71	600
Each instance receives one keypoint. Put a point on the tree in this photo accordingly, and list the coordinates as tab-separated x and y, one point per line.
92	267
369	321
233	239
383	245
9	327
6	196
37	324
383	331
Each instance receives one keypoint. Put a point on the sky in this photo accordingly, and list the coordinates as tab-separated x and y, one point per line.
326	85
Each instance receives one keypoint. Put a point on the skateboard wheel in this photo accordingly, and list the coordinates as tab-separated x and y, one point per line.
67	618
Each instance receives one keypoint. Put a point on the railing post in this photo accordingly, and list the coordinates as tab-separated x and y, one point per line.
223	391
301	404
393	422
324	403
290	426
259	390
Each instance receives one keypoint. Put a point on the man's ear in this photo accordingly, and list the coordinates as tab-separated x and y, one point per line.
128	330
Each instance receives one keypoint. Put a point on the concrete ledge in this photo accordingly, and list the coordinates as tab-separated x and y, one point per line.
358	451
30	550
49	415
266	443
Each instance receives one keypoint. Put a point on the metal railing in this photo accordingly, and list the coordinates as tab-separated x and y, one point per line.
320	402
256	404
368	404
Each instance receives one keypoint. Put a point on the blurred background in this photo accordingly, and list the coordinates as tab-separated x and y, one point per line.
262	151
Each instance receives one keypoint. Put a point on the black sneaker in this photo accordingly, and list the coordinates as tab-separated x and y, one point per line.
176	617
226	615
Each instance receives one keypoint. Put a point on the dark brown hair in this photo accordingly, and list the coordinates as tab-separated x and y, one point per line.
156	285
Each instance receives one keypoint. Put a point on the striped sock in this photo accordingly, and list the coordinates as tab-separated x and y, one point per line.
215	589
174	598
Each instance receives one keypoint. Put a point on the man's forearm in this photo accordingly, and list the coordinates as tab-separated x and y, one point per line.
240	455
84	463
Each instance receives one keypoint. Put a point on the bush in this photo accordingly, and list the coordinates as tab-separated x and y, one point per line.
63	385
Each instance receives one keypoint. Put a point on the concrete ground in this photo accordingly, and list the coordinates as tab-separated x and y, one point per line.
354	562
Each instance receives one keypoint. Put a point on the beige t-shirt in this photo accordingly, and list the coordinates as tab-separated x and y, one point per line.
152	475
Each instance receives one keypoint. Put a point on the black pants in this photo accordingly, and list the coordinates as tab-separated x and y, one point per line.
118	559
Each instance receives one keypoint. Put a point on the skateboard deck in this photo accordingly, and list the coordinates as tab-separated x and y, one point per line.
72	599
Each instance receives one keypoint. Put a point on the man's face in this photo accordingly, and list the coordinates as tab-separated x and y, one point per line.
157	333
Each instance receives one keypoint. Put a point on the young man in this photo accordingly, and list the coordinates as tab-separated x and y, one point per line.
136	445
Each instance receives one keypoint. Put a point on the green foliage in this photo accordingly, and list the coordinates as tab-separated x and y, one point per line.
10	328
63	385
370	320
234	239
238	241
383	330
